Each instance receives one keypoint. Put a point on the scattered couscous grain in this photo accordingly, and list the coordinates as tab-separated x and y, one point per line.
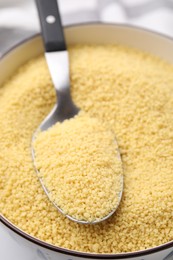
78	162
133	92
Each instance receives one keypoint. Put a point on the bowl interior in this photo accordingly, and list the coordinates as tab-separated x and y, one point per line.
92	34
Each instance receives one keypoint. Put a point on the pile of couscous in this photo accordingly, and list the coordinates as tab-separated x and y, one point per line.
133	92
79	163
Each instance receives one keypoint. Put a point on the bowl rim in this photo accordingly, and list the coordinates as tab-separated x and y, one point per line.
98	23
65	251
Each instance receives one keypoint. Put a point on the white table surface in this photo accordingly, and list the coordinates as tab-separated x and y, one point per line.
9	249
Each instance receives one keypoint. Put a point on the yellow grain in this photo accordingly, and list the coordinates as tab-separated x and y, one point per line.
133	92
79	164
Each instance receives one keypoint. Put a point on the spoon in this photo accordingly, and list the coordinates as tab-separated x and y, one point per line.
56	55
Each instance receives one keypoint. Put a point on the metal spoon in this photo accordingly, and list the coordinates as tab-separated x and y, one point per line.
57	59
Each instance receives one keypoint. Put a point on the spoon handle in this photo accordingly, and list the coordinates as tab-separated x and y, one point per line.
51	26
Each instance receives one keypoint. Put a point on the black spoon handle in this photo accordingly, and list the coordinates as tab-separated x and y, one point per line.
51	26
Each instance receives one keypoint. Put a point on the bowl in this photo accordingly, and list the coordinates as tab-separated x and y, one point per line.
97	33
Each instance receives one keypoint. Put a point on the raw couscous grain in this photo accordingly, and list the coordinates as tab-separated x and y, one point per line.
132	91
78	162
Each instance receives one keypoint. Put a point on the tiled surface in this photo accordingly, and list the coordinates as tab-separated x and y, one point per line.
20	17
156	15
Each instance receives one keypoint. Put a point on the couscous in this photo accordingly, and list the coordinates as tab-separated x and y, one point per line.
78	161
133	93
